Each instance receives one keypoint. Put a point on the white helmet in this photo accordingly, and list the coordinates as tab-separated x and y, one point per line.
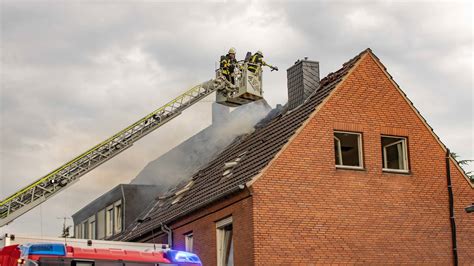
260	52
232	50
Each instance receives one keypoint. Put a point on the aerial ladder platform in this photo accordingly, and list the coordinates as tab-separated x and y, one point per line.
247	88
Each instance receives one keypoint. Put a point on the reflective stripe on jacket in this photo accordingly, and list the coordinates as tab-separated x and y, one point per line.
255	61
227	65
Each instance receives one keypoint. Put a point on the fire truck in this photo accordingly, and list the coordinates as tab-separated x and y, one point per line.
35	251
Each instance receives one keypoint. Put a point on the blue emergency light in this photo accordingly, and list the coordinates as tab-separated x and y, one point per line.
52	249
177	256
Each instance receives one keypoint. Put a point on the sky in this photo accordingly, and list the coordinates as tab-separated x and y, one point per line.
72	73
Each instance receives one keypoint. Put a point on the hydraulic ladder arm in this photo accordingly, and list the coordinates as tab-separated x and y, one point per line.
30	196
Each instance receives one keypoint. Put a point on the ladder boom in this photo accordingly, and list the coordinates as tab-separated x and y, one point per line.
34	194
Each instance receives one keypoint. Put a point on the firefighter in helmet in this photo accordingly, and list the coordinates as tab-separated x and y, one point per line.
227	65
256	61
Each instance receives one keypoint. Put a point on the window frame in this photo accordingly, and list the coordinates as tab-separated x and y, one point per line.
220	230
84	229
107	219
77	231
92	227
188	241
118	217
405	160
360	144
100	221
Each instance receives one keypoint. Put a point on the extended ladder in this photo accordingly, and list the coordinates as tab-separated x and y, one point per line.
64	176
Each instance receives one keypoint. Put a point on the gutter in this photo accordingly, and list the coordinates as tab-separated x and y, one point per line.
451	209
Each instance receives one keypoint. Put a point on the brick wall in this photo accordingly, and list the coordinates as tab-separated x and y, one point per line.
203	226
463	196
308	212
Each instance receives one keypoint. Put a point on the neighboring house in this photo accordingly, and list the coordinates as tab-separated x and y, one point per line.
349	172
112	212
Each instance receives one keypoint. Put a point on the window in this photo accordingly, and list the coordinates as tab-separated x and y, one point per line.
394	152
109	221
188	242
225	243
101	224
83	230
118	216
76	231
91	229
348	150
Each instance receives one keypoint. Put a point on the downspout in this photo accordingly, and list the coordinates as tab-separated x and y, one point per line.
169	232
451	209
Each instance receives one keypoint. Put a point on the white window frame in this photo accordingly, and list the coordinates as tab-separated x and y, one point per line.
404	161
109	217
188	242
92	228
339	150
83	230
118	217
219	236
101	223
76	231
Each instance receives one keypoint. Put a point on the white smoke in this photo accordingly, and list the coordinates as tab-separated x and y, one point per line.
185	159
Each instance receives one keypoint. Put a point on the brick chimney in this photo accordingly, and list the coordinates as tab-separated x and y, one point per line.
303	79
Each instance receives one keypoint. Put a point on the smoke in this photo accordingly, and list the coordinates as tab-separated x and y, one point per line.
181	162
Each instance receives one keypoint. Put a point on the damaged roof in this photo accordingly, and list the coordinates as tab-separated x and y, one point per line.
237	164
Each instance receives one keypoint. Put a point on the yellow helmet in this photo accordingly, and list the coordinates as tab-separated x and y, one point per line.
260	52
232	50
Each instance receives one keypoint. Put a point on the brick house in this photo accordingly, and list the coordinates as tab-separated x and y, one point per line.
348	172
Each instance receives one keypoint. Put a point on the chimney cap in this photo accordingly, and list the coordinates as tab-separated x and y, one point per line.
305	59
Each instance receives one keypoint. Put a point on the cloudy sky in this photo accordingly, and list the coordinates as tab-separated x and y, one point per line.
75	72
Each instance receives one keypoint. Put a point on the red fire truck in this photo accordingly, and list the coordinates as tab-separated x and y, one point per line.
91	253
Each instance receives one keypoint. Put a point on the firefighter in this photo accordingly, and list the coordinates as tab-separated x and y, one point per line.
256	61
227	65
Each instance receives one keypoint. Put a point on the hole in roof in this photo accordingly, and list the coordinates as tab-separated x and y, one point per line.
230	164
185	188
226	177
177	199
